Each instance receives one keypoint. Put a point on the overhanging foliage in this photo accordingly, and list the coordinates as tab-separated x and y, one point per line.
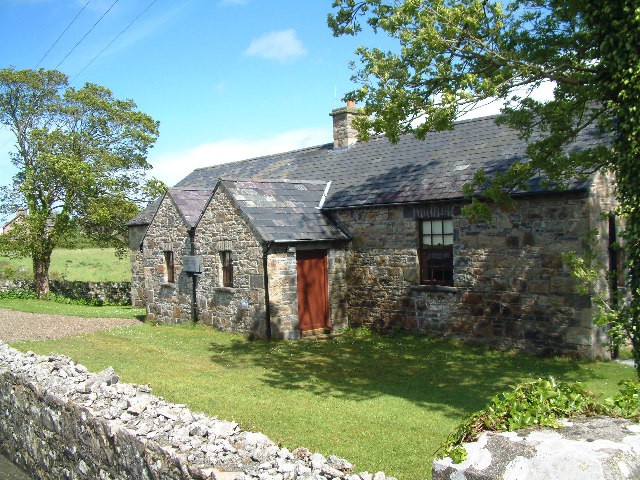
453	55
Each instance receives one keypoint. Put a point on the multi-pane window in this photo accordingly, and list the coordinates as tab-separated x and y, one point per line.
436	252
227	268
169	267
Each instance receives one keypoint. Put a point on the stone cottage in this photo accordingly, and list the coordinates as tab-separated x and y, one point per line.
371	233
8	226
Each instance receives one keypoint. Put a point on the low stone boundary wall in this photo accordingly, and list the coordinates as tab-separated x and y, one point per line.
61	421
599	448
118	293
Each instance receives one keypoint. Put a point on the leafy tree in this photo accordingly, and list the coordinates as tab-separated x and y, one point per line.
80	156
454	54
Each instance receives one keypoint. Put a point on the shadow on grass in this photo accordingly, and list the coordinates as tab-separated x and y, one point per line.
360	365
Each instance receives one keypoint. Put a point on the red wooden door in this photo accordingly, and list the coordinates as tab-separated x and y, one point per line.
313	291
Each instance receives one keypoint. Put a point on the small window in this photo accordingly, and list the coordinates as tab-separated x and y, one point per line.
169	267
436	252
227	268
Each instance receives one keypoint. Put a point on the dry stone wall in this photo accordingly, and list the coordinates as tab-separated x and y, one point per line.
117	293
599	448
61	421
510	289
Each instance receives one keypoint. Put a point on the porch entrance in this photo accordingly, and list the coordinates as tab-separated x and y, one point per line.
313	291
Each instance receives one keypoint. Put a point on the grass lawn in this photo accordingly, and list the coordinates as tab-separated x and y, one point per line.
86	311
85	265
384	403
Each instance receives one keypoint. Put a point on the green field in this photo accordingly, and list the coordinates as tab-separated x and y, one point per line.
383	403
85	265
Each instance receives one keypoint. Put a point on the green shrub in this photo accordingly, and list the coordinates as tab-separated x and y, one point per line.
11	272
627	404
93	302
539	402
23	294
18	293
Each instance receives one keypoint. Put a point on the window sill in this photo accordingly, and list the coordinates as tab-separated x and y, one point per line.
435	288
167	285
225	289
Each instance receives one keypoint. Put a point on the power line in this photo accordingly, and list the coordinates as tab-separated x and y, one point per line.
65	31
113	40
85	35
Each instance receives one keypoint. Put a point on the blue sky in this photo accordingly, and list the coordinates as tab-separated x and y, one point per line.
227	79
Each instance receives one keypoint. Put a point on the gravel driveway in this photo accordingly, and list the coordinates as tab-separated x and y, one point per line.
17	326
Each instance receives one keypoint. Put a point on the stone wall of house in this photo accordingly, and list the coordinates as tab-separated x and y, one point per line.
517	290
511	289
283	292
62	421
167	302
602	206
240	308
117	293
338	288
136	234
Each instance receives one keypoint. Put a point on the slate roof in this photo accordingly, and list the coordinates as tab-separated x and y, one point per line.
146	215
378	172
284	210
190	202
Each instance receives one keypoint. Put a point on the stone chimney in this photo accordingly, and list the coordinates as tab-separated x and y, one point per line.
344	134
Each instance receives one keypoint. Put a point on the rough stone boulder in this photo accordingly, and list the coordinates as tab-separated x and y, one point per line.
596	448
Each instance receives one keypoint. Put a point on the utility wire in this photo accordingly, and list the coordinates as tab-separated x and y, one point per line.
113	40
65	31
85	35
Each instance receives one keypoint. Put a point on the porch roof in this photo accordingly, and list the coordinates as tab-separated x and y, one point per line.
284	211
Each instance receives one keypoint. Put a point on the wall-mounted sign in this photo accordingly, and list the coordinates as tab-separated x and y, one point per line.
192	263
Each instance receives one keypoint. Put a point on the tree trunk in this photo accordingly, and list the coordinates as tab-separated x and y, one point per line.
41	264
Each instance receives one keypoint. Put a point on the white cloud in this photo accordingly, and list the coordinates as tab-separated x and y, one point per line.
543	93
173	166
282	46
